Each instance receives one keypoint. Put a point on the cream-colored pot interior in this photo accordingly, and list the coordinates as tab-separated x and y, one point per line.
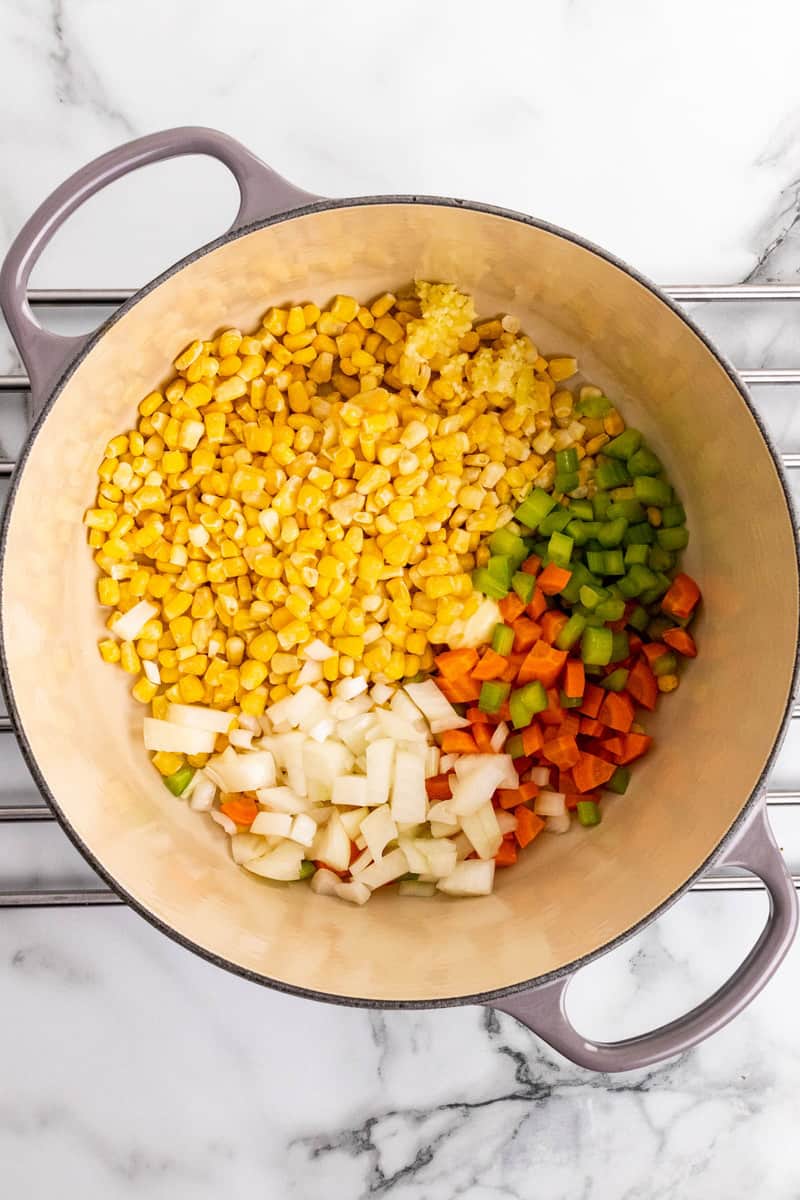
570	895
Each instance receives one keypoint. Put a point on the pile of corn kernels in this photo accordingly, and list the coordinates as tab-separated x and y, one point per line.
329	477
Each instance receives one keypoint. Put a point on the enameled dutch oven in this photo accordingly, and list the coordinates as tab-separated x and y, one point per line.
697	800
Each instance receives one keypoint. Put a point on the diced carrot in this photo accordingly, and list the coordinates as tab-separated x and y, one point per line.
593	698
591	727
565	782
553	621
532	739
591	772
510	607
537	605
553	579
653	650
634	644
562	752
458	741
636	744
483	739
572	799
243	811
508	797
531	565
476	716
438	787
354	853
505	711
319	864
681	641
459	691
617	626
521	765
491	665
542	662
528	790
642	685
526	632
455	664
614	746
515	661
529	824
507	854
554	713
574	678
617	711
570	724
681	598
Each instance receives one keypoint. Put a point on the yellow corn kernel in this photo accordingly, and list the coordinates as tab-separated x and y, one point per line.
252	674
667	683
416	644
100	518
109	650
562	368
190	689
188	356
167	763
254	702
129	659
175	604
344	308
108	592
613	424
143	690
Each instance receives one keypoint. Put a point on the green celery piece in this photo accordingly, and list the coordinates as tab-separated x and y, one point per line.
631	510
580	576
620	647
658	627
524	585
644	462
597	646
619	781
493	693
611	609
502	638
673	514
665	664
624	446
612	532
582	509
601	504
566	481
509	544
534	508
610	474
637	554
525	702
640	534
514	746
588	812
652	491
179	780
500	568
593	407
555	521
560	548
638	618
567	461
307	869
484	581
660	560
590	596
676	538
577	531
569	701
569	634
615	682
615	564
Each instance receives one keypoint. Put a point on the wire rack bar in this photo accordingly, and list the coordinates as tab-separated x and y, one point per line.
18	382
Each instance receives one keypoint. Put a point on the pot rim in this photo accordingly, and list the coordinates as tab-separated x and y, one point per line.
29	757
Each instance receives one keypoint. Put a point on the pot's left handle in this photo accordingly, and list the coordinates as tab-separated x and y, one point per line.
543	1009
262	194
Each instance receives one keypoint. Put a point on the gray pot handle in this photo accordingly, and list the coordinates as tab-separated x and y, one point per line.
543	1009
262	194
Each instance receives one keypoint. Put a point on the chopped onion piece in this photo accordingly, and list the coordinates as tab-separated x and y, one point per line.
273	824
447	762
282	799
151	670
435	707
234	772
380	768
247	846
356	893
350	687
506	820
247	722
557	824
541	776
304	829
472	790
197	717
391	867
310	672
322	763
442	811
378	828
350	791
281	863
401	730
324	882
409	797
177	739
473	878
322	730
317	651
468	763
441	856
222	819
363	861
332	845
381	693
352	821
483	831
432	761
203	792
416	859
402	706
550	804
130	624
498	738
241	738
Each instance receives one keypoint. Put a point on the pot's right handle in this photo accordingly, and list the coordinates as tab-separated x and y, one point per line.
262	194
543	1009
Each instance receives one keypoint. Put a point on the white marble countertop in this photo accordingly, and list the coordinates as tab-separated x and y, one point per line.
669	133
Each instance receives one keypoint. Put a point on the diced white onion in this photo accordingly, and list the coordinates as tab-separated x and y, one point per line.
282	863
550	804
557	824
273	824
352	821
247	846
350	791
131	623
541	776
247	722
355	893
203	792
304	829
241	738
322	730
332	845
442	811
435	707
416	887
176	739
381	693
282	799
151	670
360	864
380	768
377	829
440	854
324	882
317	651
472	878
196	717
390	867
224	820
310	672
506	821
409	796
234	772
483	831
350	687
498	738
472	789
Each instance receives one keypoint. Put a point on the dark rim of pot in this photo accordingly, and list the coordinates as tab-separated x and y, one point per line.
30	759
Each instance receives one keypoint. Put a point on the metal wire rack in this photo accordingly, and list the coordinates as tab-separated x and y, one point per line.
80	298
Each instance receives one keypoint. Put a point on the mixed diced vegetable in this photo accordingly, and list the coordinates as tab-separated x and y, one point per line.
395	596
